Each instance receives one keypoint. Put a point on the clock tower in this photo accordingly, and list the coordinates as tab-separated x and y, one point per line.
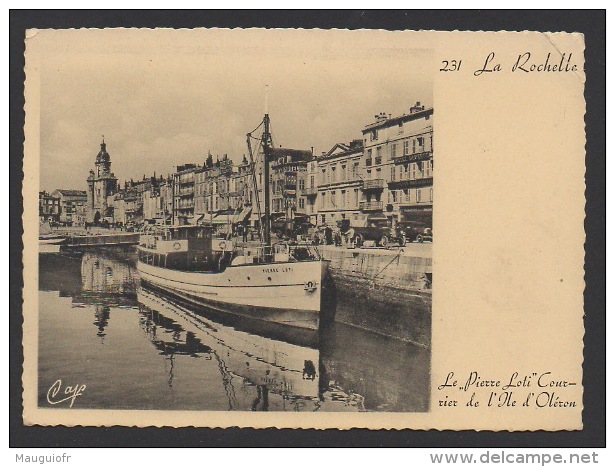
101	183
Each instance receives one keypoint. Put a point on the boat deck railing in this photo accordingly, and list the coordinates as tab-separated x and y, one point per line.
277	252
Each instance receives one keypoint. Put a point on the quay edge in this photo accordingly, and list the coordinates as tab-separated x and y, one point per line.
386	292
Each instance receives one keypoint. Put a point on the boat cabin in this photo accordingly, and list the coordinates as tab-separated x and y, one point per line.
186	247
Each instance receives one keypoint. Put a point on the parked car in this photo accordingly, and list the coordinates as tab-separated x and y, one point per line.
375	229
415	231
300	227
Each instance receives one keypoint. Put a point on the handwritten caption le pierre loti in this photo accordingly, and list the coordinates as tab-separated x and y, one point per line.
540	390
523	63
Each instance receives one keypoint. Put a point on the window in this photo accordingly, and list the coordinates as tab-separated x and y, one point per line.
394	196
356	197
333	200
324	176
355	170
301	184
406	147
343	173
301	203
393	151
393	173
373	135
428	168
333	174
379	155
418	195
343	201
311	181
431	194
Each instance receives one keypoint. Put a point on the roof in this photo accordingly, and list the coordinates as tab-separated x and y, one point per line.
295	154
396	120
103	155
186	168
71	192
343	149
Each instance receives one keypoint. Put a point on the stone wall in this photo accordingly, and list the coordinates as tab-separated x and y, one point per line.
387	292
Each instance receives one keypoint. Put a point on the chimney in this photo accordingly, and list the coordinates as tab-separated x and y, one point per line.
417	108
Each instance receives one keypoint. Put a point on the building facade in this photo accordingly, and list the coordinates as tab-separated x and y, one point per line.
48	207
288	169
101	184
183	194
340	183
398	167
310	193
72	206
157	201
386	175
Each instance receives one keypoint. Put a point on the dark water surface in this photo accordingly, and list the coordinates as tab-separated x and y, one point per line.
134	348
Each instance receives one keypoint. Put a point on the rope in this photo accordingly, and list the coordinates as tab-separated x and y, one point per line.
396	257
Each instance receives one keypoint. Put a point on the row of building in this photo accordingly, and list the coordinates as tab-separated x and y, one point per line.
385	174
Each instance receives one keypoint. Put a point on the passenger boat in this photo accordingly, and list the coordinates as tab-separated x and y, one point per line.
275	283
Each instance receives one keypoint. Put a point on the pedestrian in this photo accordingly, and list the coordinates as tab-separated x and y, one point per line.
328	235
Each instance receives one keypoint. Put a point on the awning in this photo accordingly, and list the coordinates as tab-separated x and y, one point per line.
219	219
422	213
194	220
242	216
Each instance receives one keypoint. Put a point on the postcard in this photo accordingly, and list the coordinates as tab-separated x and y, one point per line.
272	227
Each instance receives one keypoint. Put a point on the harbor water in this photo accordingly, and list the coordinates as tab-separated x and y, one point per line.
134	348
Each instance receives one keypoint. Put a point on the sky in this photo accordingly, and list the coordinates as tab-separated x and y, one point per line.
163	98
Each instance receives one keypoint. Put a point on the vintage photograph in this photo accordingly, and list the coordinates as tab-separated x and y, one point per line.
245	228
235	220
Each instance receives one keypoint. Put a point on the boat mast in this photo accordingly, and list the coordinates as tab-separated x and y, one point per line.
267	146
255	186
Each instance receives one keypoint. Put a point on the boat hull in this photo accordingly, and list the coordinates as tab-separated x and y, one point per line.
289	294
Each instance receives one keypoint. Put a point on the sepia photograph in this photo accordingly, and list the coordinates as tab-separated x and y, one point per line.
245	228
234	221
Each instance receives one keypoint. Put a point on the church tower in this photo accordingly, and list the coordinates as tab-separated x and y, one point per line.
101	184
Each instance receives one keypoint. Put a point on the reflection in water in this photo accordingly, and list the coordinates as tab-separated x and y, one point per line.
151	352
256	362
108	275
101	319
